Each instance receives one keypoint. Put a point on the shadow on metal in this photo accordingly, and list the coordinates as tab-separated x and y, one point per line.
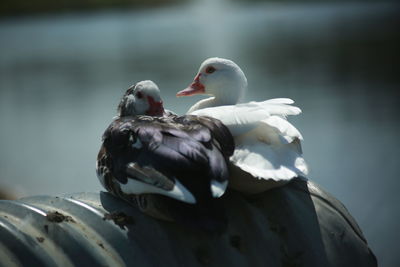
294	225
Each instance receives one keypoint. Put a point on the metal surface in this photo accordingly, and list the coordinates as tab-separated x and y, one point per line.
295	225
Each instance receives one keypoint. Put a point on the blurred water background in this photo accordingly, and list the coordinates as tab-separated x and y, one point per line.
62	75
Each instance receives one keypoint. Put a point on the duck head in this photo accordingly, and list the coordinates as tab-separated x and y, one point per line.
143	98
218	77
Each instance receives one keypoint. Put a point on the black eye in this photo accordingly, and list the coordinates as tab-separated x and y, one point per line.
139	94
210	69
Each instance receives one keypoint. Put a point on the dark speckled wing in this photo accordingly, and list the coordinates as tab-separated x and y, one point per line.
220	133
160	151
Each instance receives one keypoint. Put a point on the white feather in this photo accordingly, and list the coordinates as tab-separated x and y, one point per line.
218	188
178	192
267	145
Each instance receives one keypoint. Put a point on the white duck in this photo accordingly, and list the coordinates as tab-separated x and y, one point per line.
267	147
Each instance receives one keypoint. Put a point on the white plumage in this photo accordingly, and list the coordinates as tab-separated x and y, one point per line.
267	146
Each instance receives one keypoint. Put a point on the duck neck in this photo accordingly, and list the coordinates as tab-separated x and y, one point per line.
229	96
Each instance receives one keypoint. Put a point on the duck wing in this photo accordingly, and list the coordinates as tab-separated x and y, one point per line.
266	145
163	156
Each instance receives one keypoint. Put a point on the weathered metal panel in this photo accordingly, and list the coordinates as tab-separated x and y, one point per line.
294	225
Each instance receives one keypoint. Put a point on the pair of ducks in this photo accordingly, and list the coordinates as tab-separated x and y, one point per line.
191	158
